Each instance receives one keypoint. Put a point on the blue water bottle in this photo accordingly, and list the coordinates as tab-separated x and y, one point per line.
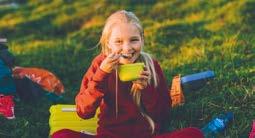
217	125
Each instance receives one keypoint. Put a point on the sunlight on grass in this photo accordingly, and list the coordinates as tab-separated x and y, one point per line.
33	45
190	4
47	8
231	12
188	53
229	45
11	20
150	30
95	21
230	42
61	19
225	15
215	26
194	17
159	7
76	13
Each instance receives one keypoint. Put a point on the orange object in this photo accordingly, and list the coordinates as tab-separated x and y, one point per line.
47	80
176	92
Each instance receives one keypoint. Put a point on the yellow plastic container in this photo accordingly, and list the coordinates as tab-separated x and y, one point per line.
130	72
65	116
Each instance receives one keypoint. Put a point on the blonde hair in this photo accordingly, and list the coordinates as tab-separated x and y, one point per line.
114	19
129	17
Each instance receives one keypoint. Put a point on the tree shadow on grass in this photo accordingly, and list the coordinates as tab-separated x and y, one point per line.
169	39
39	27
67	61
181	33
249	11
249	18
89	37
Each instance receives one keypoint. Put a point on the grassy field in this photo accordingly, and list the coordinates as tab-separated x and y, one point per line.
186	36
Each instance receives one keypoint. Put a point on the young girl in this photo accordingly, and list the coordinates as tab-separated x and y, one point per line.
135	109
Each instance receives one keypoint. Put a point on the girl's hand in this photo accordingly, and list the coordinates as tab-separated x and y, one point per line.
110	62
142	82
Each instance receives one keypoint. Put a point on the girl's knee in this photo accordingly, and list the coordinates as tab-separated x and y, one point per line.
193	132
190	132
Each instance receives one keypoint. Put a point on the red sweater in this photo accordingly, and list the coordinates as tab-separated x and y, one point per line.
98	89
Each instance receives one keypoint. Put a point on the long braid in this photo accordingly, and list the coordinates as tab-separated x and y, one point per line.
137	94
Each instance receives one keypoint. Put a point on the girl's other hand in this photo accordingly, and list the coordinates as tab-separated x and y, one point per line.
142	82
110	62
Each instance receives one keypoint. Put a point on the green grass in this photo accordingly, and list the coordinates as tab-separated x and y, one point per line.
186	36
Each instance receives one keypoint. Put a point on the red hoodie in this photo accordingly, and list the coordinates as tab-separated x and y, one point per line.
98	89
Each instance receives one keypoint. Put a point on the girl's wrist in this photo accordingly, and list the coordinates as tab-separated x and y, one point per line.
104	69
100	75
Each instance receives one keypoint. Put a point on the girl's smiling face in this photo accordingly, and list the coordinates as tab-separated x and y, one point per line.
126	40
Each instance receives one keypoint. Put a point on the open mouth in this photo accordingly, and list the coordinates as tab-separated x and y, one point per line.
127	56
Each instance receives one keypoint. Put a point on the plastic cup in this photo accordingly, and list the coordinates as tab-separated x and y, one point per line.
130	72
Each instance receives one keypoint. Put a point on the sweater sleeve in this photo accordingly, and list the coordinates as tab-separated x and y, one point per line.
165	100
91	92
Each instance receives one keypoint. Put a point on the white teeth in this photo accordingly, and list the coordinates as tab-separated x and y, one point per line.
126	55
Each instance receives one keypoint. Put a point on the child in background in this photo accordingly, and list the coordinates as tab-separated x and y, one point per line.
135	109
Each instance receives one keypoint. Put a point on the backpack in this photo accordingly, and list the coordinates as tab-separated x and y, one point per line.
6	56
7	85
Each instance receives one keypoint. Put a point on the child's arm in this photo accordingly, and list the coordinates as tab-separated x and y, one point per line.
91	92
